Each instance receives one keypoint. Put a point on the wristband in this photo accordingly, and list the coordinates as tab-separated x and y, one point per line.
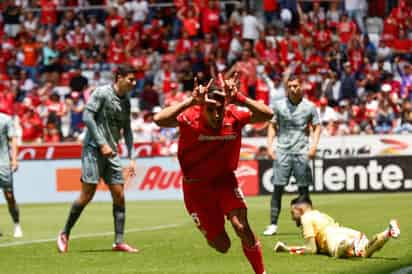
240	98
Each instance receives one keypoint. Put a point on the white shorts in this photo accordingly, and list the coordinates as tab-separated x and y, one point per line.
335	235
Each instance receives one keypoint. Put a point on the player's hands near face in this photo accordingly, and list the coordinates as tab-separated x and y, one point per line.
14	165
199	93
230	86
312	153
107	151
281	247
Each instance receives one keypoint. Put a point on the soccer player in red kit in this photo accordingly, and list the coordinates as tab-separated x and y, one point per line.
210	124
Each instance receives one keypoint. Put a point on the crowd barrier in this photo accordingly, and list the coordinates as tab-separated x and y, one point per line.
157	178
329	147
51	173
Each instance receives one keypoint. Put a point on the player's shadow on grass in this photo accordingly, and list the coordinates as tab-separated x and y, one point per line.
384	258
101	250
286	234
96	250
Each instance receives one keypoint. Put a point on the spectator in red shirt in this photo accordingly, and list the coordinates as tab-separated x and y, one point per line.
116	53
51	132
113	21
210	17
314	61
130	33
31	124
190	20
323	38
307	30
390	31
139	61
346	29
355	55
260	46
77	38
7	100
400	14
164	77
293	56
174	96
247	73
209	46
153	37
224	38
183	45
270	9
30	50
48	16
402	45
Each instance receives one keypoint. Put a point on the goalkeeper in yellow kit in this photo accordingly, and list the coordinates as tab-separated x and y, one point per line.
323	235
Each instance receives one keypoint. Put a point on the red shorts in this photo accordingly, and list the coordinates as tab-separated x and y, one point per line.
209	202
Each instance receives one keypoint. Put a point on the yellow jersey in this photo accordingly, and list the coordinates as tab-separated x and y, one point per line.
315	224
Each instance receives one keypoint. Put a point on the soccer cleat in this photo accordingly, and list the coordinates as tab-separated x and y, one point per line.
124	247
270	230
62	242
394	229
18	233
359	246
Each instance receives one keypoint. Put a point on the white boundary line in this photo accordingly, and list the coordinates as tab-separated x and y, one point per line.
90	235
403	270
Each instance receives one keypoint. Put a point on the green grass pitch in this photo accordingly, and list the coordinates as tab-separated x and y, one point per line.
170	243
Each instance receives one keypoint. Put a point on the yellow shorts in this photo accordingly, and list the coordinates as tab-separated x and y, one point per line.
336	235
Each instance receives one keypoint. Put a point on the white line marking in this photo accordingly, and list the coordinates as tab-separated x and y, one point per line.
91	235
404	270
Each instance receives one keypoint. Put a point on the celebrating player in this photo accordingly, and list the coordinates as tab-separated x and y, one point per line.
208	151
8	165
292	118
323	235
106	114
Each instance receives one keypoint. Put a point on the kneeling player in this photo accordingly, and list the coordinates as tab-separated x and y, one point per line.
208	153
323	235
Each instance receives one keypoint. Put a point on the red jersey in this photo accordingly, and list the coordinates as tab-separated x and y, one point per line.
205	153
116	54
210	20
223	40
183	46
346	30
270	5
48	12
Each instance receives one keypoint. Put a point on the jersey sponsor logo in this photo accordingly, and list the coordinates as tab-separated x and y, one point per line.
217	137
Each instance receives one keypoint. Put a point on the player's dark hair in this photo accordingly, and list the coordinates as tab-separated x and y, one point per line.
123	70
293	78
212	94
303	199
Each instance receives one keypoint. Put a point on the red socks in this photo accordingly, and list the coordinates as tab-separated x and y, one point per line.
254	256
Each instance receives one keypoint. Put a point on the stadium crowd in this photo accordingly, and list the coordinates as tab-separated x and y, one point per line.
354	60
